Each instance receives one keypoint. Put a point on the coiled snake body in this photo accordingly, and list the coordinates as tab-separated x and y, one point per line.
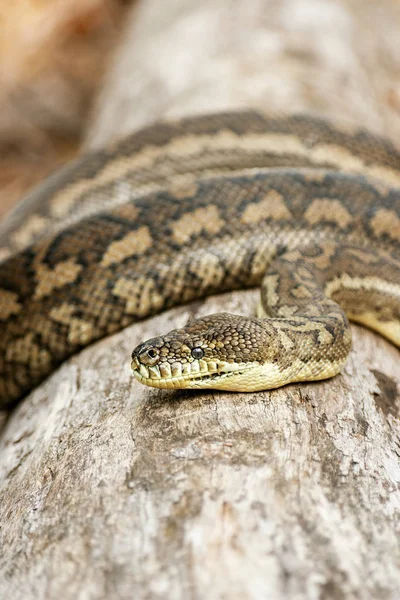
182	210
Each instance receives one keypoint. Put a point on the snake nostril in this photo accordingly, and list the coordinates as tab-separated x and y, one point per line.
149	356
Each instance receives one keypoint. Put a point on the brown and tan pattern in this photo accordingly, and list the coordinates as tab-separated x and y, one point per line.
186	209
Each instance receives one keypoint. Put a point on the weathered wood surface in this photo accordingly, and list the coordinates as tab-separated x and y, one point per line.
111	490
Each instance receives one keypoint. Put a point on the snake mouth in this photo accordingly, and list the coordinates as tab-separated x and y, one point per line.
197	374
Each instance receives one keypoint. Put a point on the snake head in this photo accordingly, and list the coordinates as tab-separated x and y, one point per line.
222	351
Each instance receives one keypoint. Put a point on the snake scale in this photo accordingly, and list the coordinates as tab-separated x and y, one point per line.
180	210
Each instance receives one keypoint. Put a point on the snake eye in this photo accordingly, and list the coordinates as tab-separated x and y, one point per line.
197	353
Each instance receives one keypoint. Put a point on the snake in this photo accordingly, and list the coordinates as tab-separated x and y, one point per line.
305	209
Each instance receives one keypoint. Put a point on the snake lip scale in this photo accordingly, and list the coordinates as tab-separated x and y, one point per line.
201	373
306	210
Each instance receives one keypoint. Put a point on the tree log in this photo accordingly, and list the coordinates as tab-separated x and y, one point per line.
112	490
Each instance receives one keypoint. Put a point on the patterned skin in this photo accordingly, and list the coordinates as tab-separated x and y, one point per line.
183	210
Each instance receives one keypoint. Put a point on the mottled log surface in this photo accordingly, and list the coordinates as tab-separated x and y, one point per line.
111	490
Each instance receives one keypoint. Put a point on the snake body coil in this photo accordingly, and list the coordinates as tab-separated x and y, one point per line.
182	210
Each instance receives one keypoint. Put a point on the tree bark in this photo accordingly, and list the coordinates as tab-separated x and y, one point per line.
112	490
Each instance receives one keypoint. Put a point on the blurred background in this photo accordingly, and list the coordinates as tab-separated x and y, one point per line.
336	58
53	57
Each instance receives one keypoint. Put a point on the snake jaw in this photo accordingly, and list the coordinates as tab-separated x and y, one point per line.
197	374
234	377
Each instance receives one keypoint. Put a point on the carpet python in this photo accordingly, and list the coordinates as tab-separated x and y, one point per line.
181	210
